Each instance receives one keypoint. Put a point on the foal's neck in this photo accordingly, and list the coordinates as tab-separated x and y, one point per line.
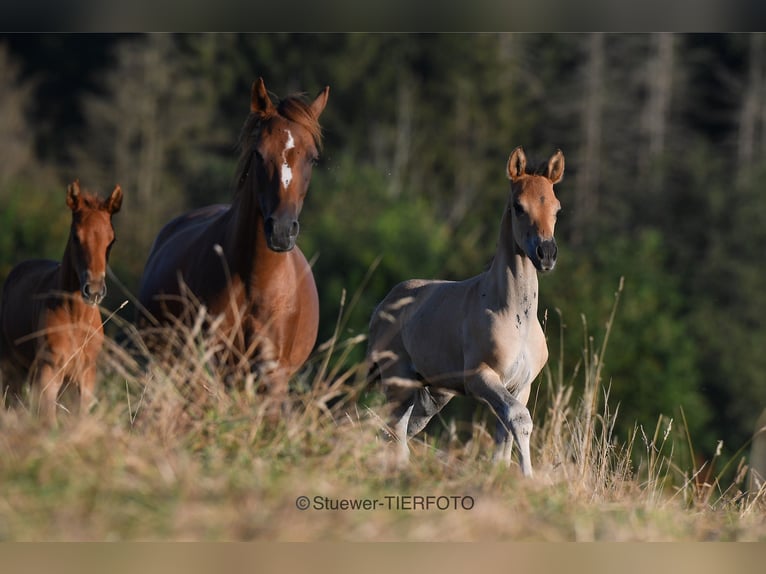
512	275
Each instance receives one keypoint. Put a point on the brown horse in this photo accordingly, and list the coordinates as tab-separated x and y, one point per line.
240	260
430	340
50	324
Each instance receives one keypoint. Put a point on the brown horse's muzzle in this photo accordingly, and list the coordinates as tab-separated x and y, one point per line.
93	290
281	233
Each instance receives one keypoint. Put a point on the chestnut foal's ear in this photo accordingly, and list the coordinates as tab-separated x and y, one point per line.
317	106
517	163
260	102
114	203
556	167
73	195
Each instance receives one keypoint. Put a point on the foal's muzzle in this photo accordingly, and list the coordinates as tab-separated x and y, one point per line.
545	255
281	233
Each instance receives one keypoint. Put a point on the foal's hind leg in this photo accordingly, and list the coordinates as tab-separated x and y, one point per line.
415	410
428	402
400	386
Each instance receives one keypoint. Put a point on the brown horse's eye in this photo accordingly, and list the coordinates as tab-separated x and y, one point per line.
518	208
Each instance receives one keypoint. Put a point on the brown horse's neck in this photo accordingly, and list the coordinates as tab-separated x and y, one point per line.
69	279
512	275
249	252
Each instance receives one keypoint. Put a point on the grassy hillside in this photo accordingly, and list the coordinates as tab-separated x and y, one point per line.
168	453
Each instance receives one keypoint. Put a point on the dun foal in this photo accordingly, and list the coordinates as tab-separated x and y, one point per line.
50	324
430	340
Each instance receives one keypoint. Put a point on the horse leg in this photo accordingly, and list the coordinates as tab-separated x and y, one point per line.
503	438
503	445
48	381
485	384
87	385
400	430
428	402
400	386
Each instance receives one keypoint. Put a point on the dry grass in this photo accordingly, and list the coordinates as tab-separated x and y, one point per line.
171	454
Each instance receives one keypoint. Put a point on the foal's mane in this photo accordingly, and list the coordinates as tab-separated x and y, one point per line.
293	108
539	168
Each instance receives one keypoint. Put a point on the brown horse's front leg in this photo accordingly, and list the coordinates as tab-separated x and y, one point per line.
87	387
46	387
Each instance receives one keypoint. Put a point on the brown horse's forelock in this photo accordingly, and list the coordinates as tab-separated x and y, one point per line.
92	201
293	108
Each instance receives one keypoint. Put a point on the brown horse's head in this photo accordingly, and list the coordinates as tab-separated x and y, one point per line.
533	207
280	144
91	238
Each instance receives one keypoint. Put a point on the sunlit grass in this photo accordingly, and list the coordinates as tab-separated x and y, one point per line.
171	453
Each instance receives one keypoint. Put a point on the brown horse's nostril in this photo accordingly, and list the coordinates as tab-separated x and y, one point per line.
93	296
295	227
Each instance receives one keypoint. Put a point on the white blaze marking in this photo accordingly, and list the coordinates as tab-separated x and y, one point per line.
287	172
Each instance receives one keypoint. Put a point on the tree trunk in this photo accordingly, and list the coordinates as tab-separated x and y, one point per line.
588	175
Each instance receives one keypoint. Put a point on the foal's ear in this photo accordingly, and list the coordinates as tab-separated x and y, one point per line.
556	167
114	203
260	102
517	163
320	102
73	195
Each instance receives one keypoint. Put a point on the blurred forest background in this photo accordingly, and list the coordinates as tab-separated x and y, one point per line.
665	144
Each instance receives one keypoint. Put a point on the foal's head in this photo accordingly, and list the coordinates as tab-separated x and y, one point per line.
91	238
533	207
280	145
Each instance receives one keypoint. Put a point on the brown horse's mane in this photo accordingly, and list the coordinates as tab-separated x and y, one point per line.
294	108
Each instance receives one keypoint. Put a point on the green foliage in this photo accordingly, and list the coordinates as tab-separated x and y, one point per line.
652	368
349	224
34	224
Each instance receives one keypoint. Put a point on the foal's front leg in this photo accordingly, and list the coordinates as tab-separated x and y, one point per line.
503	438
485	384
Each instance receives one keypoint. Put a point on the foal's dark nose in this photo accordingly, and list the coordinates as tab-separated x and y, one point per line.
281	233
546	252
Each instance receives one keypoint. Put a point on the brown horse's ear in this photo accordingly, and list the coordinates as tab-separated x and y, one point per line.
517	163
73	195
260	102
317	106
114	202
556	167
